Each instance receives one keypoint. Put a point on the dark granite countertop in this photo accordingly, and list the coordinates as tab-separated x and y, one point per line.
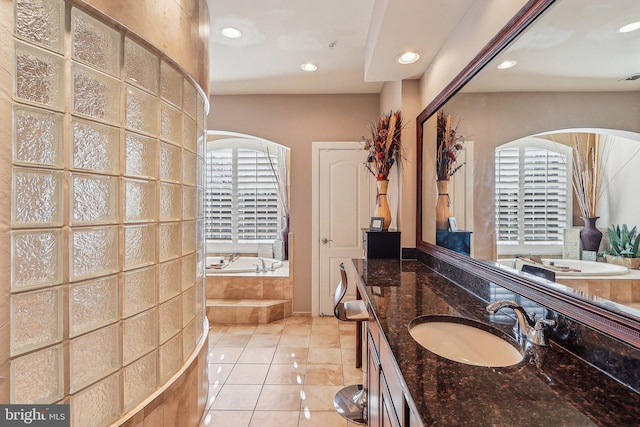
551	387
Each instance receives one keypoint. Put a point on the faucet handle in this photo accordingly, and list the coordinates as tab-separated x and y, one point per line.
541	323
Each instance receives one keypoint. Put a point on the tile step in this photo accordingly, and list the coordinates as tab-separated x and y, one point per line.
236	311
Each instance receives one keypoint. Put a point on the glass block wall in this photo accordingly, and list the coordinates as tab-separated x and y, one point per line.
106	243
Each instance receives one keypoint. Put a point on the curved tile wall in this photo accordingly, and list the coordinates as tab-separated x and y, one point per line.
106	273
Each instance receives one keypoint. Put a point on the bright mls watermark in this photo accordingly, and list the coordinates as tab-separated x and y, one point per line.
34	415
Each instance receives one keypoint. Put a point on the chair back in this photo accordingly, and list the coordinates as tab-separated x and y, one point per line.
341	290
539	271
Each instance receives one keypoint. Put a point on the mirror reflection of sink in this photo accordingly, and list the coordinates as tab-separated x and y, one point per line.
465	341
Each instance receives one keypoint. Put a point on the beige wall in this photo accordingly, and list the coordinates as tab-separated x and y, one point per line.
296	121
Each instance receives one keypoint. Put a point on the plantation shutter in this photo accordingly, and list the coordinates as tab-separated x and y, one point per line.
507	194
219	204
545	196
531	196
257	197
241	199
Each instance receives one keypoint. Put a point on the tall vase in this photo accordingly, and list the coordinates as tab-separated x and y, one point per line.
382	204
442	205
590	236
284	233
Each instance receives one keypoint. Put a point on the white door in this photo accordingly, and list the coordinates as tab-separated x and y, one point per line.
346	197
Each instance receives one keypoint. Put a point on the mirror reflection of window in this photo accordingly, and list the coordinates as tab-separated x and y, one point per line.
532	196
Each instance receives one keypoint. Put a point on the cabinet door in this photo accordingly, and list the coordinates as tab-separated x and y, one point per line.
373	393
387	412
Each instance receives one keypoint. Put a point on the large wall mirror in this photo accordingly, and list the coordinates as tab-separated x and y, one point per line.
575	77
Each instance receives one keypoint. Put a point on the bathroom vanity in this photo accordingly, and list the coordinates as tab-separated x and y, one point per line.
411	386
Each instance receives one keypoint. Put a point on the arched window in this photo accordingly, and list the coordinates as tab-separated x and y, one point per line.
243	200
533	196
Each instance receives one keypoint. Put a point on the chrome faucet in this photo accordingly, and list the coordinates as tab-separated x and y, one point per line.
529	329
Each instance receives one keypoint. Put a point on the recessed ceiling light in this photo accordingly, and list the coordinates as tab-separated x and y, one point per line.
630	27
507	64
231	33
407	57
309	67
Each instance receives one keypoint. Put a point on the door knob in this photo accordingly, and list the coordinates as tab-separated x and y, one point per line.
325	241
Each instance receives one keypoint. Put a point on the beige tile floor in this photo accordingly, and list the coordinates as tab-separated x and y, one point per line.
282	374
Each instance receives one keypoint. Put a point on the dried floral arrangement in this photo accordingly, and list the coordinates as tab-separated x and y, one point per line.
383	144
449	143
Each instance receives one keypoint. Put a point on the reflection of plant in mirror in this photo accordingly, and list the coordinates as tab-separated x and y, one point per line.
623	242
449	142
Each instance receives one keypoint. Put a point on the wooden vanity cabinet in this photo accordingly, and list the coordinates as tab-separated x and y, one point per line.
387	402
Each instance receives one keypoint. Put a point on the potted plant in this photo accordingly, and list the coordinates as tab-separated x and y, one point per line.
624	246
449	142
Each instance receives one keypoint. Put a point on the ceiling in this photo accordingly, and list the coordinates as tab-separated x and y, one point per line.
355	42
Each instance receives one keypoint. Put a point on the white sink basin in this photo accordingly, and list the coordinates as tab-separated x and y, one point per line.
465	341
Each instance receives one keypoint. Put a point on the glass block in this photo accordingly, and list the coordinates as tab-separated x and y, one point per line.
39	76
37	198
41	22
140	66
170	202
199	202
169	318
200	168
140	156
188	237
95	147
170	279
84	365
37	137
138	290
139	245
188	339
93	252
139	380
98	405
37	378
188	202
170	162
200	113
199	294
200	265
199	320
200	241
94	199
188	271
139	200
36	259
36	319
170	234
139	335
92	304
189	103
188	305
189	168
171	124
141	111
170	358
95	94
201	143
95	43
189	140
170	84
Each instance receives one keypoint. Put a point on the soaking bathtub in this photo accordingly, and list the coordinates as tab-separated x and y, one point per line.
243	264
587	268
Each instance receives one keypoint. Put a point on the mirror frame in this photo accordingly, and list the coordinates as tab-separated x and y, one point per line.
617	324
